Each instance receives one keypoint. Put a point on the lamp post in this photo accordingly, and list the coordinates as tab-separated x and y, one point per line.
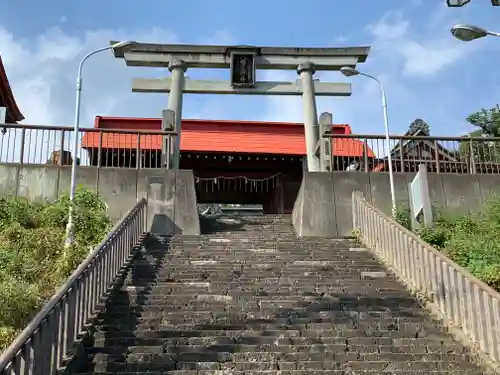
349	72
70	227
468	33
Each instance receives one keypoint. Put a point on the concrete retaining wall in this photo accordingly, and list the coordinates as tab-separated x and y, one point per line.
323	206
119	187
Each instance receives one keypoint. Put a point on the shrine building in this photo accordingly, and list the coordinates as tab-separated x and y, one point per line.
243	162
7	100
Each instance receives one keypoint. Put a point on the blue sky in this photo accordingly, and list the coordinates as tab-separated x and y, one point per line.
427	73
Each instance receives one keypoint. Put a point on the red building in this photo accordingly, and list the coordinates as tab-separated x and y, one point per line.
233	161
7	99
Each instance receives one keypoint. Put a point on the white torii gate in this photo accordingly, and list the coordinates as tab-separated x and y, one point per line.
243	62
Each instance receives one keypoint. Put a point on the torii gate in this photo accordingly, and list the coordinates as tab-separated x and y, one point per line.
243	62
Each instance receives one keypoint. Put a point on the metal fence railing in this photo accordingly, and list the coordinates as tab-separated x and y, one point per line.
140	149
42	346
368	153
465	301
33	144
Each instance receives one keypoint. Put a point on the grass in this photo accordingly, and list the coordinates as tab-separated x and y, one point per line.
471	240
32	263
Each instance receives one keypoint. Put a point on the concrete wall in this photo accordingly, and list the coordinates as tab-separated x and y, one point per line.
323	206
119	187
326	195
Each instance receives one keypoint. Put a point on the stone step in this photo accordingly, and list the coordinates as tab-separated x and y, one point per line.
261	270
301	372
279	242
271	339
155	293
164	331
272	261
308	279
351	288
338	291
304	302
158	328
165	362
213	356
211	344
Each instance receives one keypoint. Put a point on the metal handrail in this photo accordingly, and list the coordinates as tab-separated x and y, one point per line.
43	345
452	292
88	130
411	137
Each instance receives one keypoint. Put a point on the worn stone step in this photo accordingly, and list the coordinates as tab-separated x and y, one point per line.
302	372
349	351
154	294
166	305
312	303
238	318
266	269
158	329
241	245
290	278
158	290
165	362
312	329
263	253
279	338
202	354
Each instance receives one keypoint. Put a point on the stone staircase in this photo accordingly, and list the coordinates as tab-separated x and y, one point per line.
248	297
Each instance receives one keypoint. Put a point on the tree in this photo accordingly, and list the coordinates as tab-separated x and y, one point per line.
419	126
487	120
488	123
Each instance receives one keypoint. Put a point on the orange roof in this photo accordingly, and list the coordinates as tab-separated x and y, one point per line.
7	98
220	136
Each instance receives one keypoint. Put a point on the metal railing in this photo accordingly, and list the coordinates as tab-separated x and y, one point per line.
43	345
466	302
473	155
42	145
141	149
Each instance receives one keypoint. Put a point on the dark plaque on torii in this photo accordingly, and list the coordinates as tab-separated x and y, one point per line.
242	66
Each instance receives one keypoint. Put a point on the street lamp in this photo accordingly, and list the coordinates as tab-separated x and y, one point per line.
467	33
349	72
70	227
457	3
461	3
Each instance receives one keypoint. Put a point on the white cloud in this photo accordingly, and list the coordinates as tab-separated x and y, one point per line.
407	55
42	73
420	49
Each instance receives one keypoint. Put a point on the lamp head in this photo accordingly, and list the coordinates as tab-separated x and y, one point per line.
456	3
467	33
348	71
122	44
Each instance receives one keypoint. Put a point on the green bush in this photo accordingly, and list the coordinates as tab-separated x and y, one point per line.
469	240
32	261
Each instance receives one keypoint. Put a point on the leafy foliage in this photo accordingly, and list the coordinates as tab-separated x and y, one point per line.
32	262
488	123
419	126
470	240
487	120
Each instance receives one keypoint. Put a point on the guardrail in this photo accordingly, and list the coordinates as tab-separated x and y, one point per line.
466	302
42	346
35	144
473	155
141	149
